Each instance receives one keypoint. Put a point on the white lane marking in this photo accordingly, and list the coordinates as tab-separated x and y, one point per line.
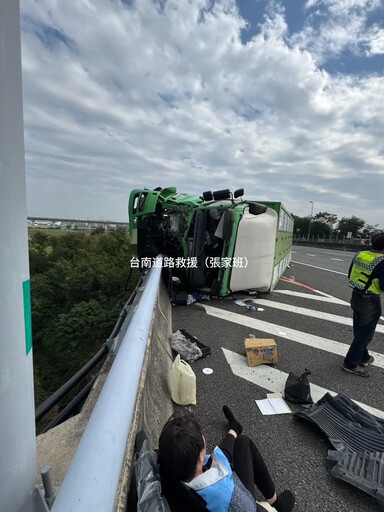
307	312
313	255
314	297
320	268
293	281
274	380
326	298
310	340
336	259
310	312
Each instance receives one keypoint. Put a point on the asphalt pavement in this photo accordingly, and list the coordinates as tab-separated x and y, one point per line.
309	317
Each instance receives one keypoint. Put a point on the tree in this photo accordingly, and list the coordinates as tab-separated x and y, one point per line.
39	250
352	225
324	224
301	225
99	230
321	225
78	287
368	230
329	219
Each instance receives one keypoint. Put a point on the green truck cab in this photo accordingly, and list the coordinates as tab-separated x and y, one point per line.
215	244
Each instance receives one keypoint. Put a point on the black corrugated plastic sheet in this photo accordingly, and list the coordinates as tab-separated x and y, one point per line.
346	424
358	437
363	470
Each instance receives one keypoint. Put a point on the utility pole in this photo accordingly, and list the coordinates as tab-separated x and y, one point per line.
310	220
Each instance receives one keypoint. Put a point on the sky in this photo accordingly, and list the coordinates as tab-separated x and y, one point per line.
282	98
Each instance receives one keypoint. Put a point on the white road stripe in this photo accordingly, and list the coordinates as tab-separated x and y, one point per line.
336	259
310	340
274	380
313	255
313	313
329	317
320	268
326	298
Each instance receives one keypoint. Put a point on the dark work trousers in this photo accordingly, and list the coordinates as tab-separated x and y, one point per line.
366	314
248	464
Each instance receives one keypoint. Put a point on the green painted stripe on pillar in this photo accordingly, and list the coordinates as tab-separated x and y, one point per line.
27	315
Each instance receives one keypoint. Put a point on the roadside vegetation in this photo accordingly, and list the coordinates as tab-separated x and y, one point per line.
79	284
327	226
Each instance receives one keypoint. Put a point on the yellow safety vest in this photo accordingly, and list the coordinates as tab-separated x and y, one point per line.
361	273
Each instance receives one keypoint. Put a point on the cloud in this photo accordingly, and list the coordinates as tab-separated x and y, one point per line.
164	93
336	26
375	41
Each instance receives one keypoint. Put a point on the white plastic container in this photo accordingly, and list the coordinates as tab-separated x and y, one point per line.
182	383
255	243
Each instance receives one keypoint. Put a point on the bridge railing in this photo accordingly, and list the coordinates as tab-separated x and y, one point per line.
135	395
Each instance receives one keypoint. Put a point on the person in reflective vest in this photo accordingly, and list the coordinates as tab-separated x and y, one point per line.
224	481
366	277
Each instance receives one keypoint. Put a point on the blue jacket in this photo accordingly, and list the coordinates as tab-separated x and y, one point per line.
221	488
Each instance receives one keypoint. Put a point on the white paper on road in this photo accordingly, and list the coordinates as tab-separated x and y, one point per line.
273	405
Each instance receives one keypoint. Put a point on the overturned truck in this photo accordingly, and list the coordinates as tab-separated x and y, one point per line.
215	244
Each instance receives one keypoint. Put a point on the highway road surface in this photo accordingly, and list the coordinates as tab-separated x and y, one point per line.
309	317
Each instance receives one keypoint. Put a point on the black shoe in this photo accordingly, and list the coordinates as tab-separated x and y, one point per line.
361	372
233	423
368	362
285	501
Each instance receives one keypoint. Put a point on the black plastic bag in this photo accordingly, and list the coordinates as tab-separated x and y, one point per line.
297	389
147	475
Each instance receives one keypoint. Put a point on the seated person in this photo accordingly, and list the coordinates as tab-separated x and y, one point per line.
224	481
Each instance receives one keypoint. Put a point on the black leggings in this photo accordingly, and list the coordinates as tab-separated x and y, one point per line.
248	464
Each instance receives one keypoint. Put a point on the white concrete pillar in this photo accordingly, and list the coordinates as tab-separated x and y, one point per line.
17	425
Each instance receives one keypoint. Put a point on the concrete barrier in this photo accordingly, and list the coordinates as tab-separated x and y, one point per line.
340	246
154	404
57	447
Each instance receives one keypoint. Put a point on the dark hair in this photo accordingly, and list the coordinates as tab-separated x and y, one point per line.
378	240
180	444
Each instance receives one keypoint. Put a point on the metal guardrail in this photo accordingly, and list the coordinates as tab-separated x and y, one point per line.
93	477
58	395
354	246
46	406
73	406
333	241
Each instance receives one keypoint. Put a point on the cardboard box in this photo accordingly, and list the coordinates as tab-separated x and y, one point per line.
260	351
